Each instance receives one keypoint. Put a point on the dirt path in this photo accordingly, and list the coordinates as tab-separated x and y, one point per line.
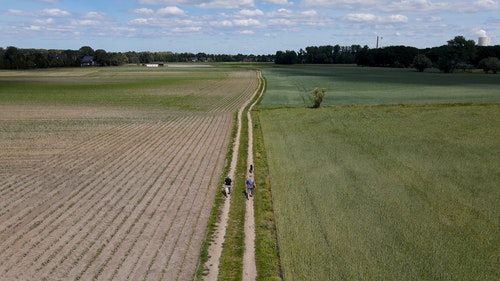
215	249
249	266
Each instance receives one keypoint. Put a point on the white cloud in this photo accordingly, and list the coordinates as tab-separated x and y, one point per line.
54	13
406	6
344	4
166	2
171	11
396	18
361	17
288	19
278	2
270	35
139	22
481	33
281	22
224	23
487	4
34	28
224	4
371	18
192	29
251	13
285	13
310	13
247	32
246	22
86	22
17	13
94	15
45	21
144	11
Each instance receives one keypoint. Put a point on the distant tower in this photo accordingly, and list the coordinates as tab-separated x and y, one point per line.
380	41
483	41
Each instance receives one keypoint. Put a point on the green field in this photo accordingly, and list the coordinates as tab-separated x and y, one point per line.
119	86
405	190
389	192
350	85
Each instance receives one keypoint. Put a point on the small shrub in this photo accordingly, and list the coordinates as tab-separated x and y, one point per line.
317	97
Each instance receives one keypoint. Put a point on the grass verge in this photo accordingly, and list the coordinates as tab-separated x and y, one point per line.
266	244
231	262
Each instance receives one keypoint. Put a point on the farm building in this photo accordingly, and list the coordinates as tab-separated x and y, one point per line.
155	64
88	61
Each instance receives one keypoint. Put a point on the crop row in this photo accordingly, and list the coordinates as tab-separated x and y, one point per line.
132	196
245	82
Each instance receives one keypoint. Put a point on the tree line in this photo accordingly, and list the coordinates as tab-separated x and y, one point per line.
458	53
17	58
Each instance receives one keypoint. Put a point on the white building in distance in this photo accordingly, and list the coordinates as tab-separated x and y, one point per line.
483	41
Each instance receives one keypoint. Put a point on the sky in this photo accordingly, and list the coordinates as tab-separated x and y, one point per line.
242	26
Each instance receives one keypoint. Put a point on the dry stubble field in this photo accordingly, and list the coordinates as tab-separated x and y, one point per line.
112	192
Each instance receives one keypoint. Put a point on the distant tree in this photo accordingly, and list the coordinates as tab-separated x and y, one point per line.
363	57
337	58
463	50
14	58
421	62
484	52
40	60
317	97
102	57
446	64
491	63
117	59
146	57
301	56
72	58
2	58
287	57
85	51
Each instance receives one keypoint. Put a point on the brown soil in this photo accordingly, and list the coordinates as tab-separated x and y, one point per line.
95	194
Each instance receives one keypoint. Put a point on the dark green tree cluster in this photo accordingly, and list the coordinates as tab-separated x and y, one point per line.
458	54
287	57
148	57
490	63
421	62
16	58
329	54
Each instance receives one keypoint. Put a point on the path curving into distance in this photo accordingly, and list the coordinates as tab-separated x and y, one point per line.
249	266
215	249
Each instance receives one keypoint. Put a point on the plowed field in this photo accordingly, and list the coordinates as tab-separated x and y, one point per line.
113	193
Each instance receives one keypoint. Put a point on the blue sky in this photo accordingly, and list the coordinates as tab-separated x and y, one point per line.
242	26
